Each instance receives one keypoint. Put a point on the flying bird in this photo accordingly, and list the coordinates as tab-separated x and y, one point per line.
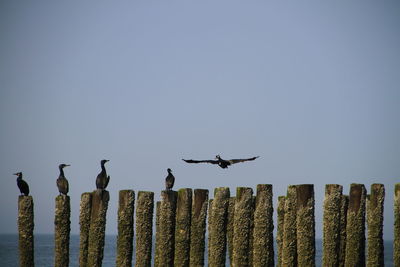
169	180
22	185
221	162
62	182
102	179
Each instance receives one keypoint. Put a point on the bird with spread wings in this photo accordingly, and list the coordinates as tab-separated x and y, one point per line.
221	162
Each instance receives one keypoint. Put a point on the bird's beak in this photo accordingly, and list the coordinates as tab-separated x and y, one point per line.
107	160
67	165
15	173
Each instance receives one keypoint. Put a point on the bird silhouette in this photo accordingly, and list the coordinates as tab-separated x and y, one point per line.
22	185
221	162
102	179
169	180
62	182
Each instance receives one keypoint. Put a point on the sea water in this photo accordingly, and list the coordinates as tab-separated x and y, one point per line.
44	251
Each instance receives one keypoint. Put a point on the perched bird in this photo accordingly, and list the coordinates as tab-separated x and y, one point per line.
62	182
22	185
169	180
221	162
102	179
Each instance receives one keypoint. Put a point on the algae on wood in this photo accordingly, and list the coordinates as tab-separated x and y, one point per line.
84	223
144	228
280	229
396	243
157	249
125	228
62	225
289	247
229	229
25	231
344	204
182	228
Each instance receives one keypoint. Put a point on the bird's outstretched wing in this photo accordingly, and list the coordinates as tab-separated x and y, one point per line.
233	161
200	161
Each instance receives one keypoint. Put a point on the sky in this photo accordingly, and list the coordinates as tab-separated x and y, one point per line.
311	87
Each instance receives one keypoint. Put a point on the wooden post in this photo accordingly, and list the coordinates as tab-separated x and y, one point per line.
62	230
210	223
84	223
251	230
396	243
230	226
263	243
125	228
375	225
289	247
344	204
158	234
182	228
144	228
305	225
198	227
242	227
97	229
167	228
279	233
331	239
25	231
355	243
217	233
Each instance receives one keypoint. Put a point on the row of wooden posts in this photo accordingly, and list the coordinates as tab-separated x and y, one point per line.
243	225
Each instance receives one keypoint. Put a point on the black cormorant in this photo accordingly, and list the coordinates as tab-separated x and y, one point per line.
62	182
102	179
170	180
22	185
221	162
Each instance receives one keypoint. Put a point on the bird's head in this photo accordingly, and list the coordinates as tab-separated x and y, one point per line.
104	161
218	157
19	174
62	166
169	170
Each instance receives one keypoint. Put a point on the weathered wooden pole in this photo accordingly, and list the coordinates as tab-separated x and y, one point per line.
251	230
305	225
125	228
210	223
198	227
158	234
84	223
355	230
217	232
375	225
289	246
144	228
25	231
62	225
344	204
331	218
279	232
182	228
167	228
97	229
396	243
242	226
229	229
263	241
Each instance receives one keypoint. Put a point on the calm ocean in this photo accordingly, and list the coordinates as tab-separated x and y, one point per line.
44	251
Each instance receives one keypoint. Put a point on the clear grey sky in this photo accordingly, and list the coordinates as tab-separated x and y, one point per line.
311	87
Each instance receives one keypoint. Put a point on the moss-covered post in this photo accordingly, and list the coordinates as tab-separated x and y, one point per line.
62	225
375	225
25	231
355	243
167	228
182	227
305	225
210	207
144	228
331	218
251	236
84	224
158	234
279	231
242	226
125	228
229	229
97	229
198	227
344	204
396	243
289	246
217	232
263	241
